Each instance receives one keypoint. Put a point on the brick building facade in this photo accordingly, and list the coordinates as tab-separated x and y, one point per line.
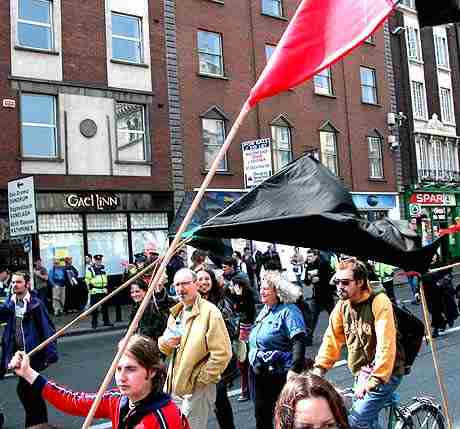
220	49
132	99
426	61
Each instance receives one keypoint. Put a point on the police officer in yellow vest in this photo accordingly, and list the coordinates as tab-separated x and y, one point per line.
96	280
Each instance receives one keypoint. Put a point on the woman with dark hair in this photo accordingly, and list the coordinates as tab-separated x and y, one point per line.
310	401
245	305
139	401
155	317
209	289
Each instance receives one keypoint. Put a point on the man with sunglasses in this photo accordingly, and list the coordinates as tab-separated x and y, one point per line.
363	321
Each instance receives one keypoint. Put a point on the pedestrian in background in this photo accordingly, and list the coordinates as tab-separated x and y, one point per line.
276	345
72	293
5	280
41	281
155	316
27	325
297	262
96	279
245	306
211	291
318	275
56	277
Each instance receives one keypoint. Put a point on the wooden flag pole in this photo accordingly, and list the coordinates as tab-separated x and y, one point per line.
87	312
435	270
434	354
153	282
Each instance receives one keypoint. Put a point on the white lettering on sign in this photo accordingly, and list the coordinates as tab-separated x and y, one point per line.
21	207
93	201
9	103
433	199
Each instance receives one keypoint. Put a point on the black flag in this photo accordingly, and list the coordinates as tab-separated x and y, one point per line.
432	13
305	205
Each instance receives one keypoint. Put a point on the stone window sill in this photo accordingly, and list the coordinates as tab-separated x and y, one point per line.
36	50
281	18
133	162
128	63
221	173
212	76
38	159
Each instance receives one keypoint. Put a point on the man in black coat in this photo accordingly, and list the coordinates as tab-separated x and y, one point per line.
318	274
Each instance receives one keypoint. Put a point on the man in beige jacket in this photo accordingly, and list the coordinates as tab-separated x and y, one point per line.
197	341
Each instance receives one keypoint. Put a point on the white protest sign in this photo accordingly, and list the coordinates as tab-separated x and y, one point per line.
21	207
257	161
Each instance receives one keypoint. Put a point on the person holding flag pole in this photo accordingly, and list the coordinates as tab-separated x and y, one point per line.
303	51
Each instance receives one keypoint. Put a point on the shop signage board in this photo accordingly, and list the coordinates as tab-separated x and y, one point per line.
93	201
257	161
439	213
21	207
433	199
414	210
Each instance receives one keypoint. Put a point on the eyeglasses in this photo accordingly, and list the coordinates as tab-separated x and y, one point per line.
345	282
180	284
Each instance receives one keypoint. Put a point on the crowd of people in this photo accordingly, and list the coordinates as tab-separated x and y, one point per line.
209	322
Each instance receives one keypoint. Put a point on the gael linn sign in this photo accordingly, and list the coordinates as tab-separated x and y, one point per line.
93	201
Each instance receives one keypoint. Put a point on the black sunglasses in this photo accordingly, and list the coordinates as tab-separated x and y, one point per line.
345	282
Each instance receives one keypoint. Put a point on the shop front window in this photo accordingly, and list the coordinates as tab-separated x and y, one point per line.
60	245
157	240
113	245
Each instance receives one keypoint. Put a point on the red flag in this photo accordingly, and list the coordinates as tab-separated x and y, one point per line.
319	34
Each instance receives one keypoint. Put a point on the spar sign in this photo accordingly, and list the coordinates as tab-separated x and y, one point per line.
432	199
21	207
257	161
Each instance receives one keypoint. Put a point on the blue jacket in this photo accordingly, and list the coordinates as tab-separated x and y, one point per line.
37	327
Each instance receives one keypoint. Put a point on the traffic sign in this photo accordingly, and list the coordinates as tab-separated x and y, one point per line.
21	207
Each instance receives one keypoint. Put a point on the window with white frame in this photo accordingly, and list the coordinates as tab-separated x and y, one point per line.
38	126
213	138
441	51
437	158
419	100
269	49
408	3
127	38
328	142
272	7
281	146
35	24
375	157
131	132
368	85
323	82
210	55
447	108
413	43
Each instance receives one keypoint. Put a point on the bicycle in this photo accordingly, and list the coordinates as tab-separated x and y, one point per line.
416	414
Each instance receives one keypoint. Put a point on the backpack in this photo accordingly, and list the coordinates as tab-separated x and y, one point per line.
411	330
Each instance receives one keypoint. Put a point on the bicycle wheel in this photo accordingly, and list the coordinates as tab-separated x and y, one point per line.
422	414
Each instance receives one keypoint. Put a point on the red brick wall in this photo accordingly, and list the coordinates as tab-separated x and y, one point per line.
305	110
9	118
83	41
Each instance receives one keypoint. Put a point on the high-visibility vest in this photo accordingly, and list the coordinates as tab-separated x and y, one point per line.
96	279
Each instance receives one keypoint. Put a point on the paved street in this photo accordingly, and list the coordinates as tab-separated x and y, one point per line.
84	360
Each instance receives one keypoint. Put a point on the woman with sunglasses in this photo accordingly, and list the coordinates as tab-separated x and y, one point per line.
276	345
310	402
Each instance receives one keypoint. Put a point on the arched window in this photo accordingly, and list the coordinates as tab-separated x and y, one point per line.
213	136
281	131
375	151
328	147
